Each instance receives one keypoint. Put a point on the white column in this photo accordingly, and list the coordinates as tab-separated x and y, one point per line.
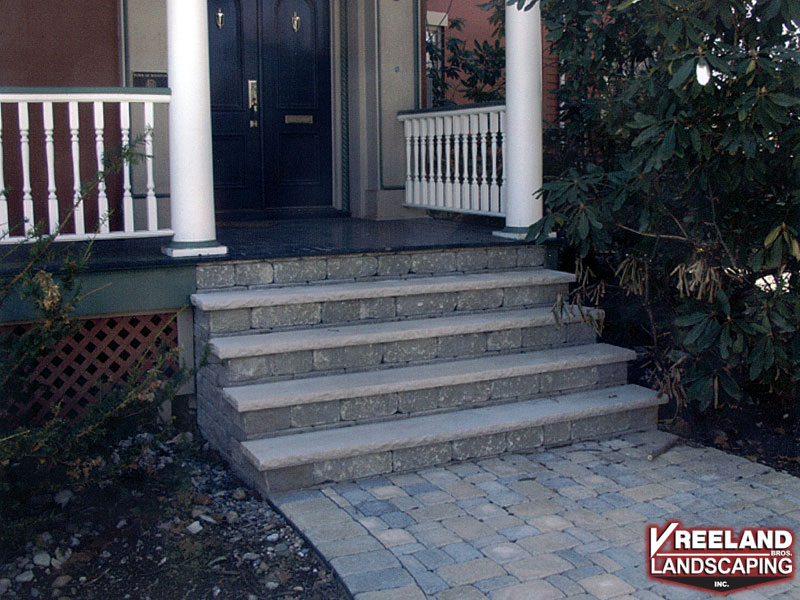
522	162
190	163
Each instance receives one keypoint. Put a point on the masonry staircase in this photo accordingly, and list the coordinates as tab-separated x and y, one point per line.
326	369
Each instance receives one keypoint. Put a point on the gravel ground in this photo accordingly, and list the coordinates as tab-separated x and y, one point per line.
178	525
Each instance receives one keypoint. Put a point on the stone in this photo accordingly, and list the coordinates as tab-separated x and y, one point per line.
215	276
41	559
480	299
525	439
347	357
409	459
315	413
24	577
285	315
353	409
194	528
228	321
343	469
486	445
530	256
468	344
465	394
501	258
557	381
418	400
531	590
351	267
433	262
606	586
394	265
426	304
473	259
254	273
506	339
469	572
410	350
298	271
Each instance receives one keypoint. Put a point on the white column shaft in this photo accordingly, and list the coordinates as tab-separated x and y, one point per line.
190	162
523	161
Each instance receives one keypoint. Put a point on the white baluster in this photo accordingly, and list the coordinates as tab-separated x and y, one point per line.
423	163
127	197
25	153
474	189
431	193
152	205
74	133
408	130
439	179
457	178
4	228
504	159
417	162
102	198
448	176
50	156
483	132
494	189
465	162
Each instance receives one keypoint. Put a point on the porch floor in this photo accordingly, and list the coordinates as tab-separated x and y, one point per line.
286	238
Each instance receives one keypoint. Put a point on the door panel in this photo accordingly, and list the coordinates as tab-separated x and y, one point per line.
237	153
280	154
297	110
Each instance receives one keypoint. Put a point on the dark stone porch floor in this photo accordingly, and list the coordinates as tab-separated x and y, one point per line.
284	238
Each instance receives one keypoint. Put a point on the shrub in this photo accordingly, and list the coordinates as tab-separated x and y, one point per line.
39	457
685	195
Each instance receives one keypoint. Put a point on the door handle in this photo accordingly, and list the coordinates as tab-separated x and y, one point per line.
252	101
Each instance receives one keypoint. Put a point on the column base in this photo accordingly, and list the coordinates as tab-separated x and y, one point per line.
512	233
190	249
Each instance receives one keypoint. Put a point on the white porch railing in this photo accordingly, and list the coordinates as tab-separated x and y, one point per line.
53	140
454	159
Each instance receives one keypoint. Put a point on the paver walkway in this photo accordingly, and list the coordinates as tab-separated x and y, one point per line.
559	523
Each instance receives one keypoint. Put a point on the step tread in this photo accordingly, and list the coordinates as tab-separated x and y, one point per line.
344	442
331	292
455	372
243	346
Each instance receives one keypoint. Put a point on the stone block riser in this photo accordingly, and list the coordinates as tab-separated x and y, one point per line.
237	371
351	411
409	459
227	275
287	316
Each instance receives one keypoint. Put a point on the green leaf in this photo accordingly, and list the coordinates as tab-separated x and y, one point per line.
690	319
772	236
673	32
682	74
783	99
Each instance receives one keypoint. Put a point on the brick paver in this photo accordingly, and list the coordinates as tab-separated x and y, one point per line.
560	523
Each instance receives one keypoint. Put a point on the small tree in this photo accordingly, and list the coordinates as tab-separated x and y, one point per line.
678	170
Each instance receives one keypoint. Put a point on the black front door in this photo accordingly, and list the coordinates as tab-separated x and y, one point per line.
270	103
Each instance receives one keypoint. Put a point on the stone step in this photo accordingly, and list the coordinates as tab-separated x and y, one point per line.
295	306
247	358
398	263
285	406
317	457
